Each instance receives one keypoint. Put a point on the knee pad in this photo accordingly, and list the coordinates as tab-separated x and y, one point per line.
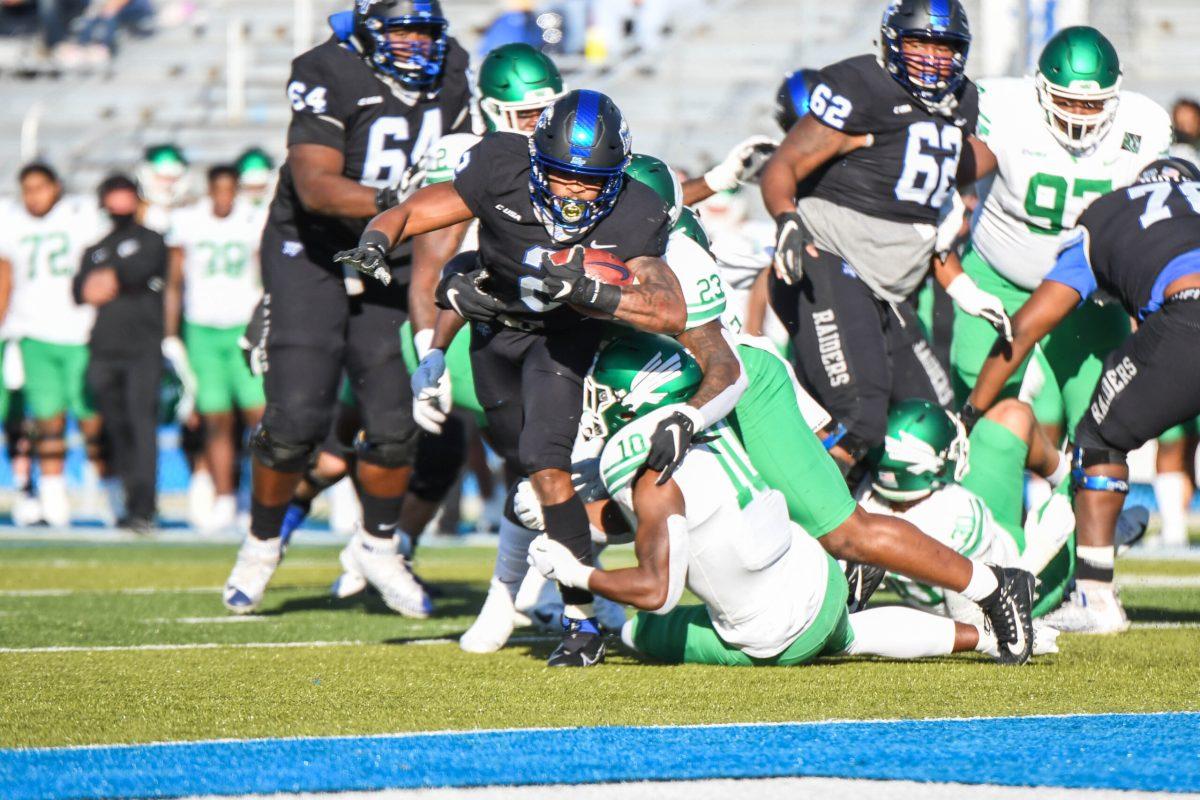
388	454
1085	457
277	454
439	462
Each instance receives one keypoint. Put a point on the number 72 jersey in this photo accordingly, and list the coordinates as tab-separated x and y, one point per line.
1040	188
907	169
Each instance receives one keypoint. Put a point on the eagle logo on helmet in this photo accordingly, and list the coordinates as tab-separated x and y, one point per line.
647	386
920	456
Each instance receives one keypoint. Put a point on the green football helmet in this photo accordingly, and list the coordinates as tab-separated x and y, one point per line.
925	448
658	176
1079	64
514	78
689	222
634	374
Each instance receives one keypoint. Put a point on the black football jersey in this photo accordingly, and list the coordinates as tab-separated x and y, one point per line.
493	180
1134	233
340	102
908	170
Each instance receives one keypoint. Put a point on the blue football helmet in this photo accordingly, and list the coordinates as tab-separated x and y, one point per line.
922	76
791	101
414	66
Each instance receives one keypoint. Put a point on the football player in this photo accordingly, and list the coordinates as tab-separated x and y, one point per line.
256	176
1141	246
214	265
367	105
165	181
41	247
770	594
561	189
872	163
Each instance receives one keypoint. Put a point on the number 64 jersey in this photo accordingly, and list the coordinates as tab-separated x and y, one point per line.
382	131
1041	188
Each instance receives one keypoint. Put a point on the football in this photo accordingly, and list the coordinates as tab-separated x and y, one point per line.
600	264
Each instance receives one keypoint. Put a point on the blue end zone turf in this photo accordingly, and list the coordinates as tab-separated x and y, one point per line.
1151	752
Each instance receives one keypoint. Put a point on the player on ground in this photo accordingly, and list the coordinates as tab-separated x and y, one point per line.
367	105
1054	142
563	188
41	247
1141	246
214	261
875	158
771	595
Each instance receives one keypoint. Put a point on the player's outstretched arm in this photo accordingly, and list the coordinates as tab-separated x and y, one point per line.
1049	305
430	253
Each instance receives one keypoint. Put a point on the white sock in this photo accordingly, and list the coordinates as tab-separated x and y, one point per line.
511	554
983	582
987	640
1170	489
1061	472
898	632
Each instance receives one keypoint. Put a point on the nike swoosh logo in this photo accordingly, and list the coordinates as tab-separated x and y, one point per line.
452	297
677	435
596	246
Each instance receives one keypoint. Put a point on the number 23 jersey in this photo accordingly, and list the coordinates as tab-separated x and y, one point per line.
908	169
493	180
341	103
1040	188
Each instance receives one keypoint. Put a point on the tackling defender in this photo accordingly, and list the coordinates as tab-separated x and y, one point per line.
1141	246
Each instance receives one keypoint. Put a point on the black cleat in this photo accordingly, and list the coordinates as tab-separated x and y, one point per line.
1131	527
582	644
864	579
1009	612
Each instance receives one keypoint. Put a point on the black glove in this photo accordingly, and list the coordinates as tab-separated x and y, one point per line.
390	196
791	239
253	340
568	283
369	257
461	293
669	444
969	415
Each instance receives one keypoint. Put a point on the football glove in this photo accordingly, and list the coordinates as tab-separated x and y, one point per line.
568	283
462	293
431	392
978	303
585	479
555	561
390	196
253	340
368	259
670	441
743	164
792	239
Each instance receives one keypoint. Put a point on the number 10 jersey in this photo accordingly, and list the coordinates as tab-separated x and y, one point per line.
907	170
1041	188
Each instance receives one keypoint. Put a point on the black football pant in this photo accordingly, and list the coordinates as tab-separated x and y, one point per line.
125	391
1149	384
856	354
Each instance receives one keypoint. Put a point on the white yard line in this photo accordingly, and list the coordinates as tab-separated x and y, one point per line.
133	590
1160	581
225	620
133	648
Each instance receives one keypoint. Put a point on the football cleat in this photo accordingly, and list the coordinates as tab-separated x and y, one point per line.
56	508
27	511
1092	608
582	644
1131	527
256	562
1009	613
1045	638
491	629
863	579
538	603
383	567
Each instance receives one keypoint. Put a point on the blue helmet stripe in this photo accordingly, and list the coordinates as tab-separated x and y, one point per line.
939	12
583	131
799	89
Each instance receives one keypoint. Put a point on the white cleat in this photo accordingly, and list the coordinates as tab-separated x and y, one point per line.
56	508
223	516
494	625
256	563
1092	608
26	511
1045	638
378	561
538	604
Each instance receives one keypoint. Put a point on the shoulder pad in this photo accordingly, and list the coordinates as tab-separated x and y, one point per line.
625	454
441	160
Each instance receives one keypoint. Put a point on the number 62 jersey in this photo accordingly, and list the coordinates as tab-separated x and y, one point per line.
382	130
907	170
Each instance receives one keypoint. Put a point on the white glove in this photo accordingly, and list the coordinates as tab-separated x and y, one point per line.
431	392
743	163
555	562
174	352
949	224
527	507
978	303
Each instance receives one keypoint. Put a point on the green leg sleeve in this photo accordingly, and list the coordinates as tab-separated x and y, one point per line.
1048	403
997	474
1076	350
684	636
784	451
973	338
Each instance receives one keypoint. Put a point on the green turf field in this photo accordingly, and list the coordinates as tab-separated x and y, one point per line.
143	651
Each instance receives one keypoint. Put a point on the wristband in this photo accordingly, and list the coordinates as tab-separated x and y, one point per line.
602	297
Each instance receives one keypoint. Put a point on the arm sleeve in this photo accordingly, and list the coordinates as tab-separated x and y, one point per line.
318	114
1072	267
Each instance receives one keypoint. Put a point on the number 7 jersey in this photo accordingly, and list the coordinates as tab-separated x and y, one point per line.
1040	188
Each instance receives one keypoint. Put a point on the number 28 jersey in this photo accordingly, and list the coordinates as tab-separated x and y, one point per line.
907	170
339	102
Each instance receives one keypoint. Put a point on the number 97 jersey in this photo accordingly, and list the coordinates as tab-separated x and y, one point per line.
907	169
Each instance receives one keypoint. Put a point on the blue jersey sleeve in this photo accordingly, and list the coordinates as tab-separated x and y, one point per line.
1072	267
